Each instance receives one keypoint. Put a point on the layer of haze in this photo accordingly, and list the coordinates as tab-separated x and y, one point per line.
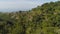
16	5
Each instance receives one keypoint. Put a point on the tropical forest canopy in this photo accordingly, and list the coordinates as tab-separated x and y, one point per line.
44	19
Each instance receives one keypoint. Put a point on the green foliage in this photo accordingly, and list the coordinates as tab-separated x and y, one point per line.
43	19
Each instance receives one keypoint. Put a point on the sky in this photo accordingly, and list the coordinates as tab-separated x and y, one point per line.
16	5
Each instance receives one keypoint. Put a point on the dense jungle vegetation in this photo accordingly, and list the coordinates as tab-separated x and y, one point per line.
44	19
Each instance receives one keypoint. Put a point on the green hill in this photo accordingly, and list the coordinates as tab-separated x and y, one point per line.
44	19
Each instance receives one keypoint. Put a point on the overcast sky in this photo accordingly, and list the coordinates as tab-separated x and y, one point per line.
16	5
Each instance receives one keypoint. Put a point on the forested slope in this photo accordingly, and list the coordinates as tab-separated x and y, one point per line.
44	19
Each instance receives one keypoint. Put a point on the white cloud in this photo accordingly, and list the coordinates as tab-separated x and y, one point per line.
18	4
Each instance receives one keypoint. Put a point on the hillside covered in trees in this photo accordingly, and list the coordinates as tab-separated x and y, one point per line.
44	19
